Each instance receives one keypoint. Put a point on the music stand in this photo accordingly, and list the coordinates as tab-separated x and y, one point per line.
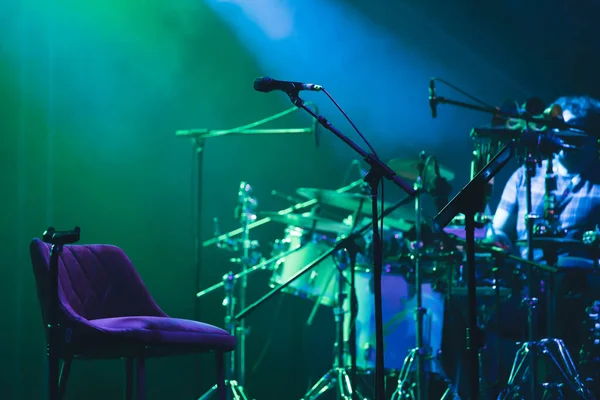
469	201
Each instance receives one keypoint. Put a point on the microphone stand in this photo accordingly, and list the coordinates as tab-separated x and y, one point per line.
377	171
469	201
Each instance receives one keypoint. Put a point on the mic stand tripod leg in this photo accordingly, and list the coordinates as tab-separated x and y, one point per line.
235	391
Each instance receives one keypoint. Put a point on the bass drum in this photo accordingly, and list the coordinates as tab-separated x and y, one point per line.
319	284
399	302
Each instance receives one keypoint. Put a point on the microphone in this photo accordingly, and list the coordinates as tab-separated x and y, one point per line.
266	84
432	98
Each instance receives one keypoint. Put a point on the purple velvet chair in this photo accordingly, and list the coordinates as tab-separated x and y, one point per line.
102	309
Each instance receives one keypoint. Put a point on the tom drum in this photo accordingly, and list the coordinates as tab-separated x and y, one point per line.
319	284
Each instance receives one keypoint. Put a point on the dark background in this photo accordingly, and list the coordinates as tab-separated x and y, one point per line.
91	94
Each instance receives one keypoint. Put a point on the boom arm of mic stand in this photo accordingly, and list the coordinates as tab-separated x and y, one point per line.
550	124
206	134
377	165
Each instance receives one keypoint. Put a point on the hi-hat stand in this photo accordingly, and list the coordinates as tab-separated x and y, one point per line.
235	371
417	387
337	378
234	386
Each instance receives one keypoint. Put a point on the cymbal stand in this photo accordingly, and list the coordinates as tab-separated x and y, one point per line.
559	370
235	371
406	389
338	378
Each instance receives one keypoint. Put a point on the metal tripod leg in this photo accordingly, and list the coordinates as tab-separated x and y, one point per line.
560	369
407	385
234	392
336	379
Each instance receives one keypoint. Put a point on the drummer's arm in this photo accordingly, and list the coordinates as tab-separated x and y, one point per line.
504	224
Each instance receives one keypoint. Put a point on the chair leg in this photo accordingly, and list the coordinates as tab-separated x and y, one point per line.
129	379
220	367
141	378
64	377
53	377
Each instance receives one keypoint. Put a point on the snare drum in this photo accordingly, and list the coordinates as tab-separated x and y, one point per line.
319	284
399	326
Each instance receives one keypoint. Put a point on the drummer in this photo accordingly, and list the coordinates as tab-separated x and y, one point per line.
577	184
577	195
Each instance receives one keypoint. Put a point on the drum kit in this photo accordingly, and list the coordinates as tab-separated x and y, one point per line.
309	235
427	265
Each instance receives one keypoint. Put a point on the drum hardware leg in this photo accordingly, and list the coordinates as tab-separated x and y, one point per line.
235	372
235	390
338	378
407	388
559	367
549	356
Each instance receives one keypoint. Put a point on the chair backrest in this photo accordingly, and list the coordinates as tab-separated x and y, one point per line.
95	281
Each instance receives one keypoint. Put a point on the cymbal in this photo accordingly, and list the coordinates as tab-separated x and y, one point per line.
317	223
399	219
542	242
409	168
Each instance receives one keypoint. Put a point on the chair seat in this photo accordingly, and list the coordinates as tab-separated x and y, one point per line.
163	330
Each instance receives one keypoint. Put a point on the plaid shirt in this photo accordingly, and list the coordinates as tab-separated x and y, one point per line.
578	203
